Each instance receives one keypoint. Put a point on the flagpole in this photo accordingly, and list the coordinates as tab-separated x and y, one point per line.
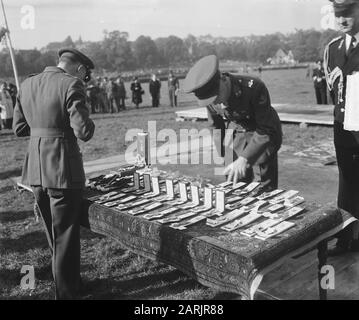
10	47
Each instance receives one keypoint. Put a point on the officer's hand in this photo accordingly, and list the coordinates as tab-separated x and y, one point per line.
237	170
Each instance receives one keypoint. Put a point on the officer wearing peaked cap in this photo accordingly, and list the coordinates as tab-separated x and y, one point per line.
51	109
341	62
241	103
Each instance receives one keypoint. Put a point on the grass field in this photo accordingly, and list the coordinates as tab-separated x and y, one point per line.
110	271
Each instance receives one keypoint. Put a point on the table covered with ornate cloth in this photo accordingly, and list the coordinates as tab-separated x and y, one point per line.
225	261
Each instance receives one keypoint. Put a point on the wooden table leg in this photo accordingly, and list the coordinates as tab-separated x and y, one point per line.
322	257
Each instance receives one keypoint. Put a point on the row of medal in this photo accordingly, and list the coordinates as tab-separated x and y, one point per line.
114	180
235	208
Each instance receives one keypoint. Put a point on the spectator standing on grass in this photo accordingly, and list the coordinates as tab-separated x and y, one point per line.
103	95
6	106
241	103
13	93
111	91
173	88
155	90
341	68
51	109
260	71
91	94
320	83
121	94
137	92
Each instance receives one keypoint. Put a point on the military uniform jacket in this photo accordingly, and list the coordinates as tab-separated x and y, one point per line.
250	113
337	66
51	109
154	87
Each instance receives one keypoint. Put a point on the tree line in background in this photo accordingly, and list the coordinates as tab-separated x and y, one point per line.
115	53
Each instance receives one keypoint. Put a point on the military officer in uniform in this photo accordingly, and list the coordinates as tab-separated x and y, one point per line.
241	103
51	109
341	59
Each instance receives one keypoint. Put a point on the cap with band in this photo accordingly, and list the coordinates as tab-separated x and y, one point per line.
86	61
203	80
343	7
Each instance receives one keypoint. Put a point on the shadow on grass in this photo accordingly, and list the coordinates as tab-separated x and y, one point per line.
87	234
11	173
145	287
12	216
28	241
9	278
45	272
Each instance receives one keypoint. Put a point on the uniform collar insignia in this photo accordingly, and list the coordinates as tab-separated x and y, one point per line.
250	83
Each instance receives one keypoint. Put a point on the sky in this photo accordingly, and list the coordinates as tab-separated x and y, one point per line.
35	23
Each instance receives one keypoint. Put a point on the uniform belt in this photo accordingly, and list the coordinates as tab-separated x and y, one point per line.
50	133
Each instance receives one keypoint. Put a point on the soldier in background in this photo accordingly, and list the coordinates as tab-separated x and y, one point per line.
6	107
173	87
137	92
320	83
102	95
13	92
111	91
121	94
155	90
91	95
341	61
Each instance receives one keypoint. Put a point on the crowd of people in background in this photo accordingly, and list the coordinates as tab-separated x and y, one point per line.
106	95
103	94
8	92
109	95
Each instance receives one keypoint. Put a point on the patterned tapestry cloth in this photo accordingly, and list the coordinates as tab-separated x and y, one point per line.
226	261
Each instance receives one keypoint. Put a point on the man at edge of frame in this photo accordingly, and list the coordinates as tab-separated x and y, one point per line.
341	65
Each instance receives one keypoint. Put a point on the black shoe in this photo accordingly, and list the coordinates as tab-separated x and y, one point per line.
354	245
338	250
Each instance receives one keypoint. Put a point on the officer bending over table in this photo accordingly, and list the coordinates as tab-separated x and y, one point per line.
241	103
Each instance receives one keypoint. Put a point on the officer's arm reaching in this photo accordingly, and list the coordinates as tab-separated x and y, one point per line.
265	126
263	136
217	122
80	121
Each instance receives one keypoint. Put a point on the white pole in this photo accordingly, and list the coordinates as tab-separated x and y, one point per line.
10	48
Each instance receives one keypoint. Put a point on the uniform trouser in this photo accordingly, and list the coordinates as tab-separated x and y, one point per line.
173	97
348	193
321	95
121	103
60	210
155	100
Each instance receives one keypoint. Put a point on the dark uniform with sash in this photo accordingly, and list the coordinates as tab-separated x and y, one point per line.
338	64
51	109
248	111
